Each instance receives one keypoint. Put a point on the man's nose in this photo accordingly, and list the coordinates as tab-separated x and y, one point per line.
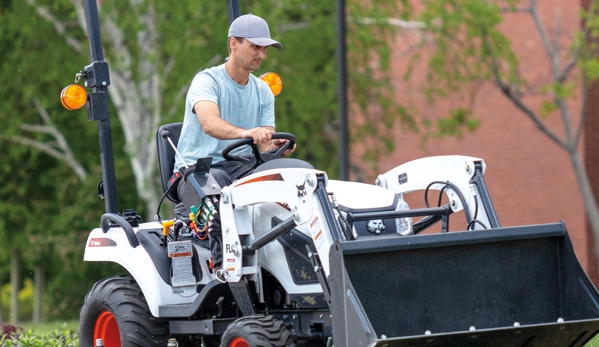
262	52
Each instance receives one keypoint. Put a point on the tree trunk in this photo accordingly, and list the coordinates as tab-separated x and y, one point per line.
586	190
591	148
38	289
15	284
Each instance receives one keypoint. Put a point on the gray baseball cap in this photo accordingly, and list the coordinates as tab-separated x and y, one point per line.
254	29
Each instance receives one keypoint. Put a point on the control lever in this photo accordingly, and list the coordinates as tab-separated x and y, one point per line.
167	135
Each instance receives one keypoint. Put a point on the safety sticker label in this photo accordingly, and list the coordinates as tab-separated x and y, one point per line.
316	231
231	264
182	272
179	249
181	266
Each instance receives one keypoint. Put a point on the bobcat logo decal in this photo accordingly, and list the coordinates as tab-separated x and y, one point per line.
376	226
301	191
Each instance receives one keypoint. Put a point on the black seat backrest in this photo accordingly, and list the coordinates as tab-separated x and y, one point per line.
166	156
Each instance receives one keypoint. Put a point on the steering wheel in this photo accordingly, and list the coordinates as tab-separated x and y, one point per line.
257	158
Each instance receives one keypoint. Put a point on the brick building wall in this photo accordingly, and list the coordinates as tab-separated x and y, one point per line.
529	177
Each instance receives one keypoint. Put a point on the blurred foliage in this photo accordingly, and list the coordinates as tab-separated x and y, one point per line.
58	338
25	299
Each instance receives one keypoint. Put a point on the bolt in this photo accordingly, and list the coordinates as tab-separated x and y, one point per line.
85	83
453	203
214	186
294	316
516	324
428	332
560	320
322	315
467	167
316	268
310	254
104	83
472	328
383	336
309	180
377	182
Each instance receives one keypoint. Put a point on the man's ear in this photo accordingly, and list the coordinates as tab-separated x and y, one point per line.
233	43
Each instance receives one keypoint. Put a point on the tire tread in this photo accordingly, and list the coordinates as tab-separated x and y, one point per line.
123	297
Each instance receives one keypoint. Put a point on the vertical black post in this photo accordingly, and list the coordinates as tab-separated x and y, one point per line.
342	92
98	103
485	197
233	10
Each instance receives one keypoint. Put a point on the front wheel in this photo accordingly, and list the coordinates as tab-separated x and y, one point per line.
116	311
257	331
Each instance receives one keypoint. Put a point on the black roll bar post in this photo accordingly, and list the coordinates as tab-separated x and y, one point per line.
97	78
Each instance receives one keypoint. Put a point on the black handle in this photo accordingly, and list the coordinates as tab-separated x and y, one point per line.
122	222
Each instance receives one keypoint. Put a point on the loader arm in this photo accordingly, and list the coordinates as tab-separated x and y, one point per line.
460	177
294	188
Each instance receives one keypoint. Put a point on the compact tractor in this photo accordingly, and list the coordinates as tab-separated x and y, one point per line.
288	257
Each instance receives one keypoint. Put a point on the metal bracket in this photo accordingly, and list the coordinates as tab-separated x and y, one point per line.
317	266
96	74
241	293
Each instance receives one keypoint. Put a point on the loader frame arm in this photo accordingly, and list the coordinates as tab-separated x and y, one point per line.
299	190
460	177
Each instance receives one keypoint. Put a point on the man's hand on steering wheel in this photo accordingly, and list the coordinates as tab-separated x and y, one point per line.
282	144
260	135
278	143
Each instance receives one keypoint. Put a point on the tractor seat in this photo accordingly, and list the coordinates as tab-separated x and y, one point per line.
166	156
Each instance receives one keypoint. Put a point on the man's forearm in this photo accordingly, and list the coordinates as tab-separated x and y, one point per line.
220	128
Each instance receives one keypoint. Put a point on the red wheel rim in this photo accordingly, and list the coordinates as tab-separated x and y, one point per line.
106	329
237	342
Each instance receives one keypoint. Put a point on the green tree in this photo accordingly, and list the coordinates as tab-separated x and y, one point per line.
49	171
154	48
468	48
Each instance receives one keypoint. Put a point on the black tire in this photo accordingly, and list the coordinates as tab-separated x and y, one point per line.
257	331
119	299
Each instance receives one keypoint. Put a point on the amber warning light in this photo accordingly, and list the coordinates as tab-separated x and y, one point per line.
274	81
73	97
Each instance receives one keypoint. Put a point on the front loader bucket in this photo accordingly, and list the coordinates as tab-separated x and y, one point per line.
517	286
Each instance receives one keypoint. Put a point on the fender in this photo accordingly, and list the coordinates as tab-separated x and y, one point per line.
114	246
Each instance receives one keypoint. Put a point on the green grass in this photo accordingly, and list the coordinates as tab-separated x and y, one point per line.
51	328
47	328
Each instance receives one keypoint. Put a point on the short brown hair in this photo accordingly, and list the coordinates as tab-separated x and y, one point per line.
239	39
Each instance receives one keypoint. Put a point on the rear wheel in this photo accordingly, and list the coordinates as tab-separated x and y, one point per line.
116	311
257	331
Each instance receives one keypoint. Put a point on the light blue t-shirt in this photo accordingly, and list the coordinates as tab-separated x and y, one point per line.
249	106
